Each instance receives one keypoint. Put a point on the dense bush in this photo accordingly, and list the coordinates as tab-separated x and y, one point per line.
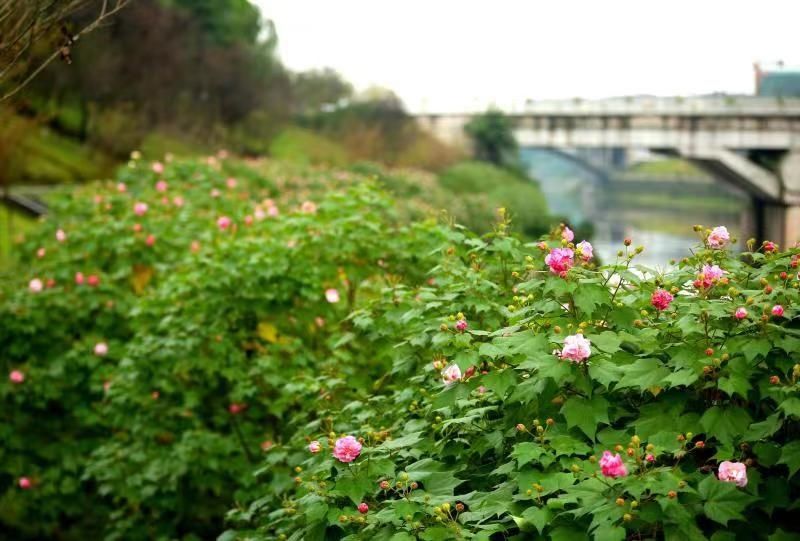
559	403
503	188
281	345
205	297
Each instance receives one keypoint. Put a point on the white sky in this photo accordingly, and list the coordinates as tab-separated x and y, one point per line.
451	55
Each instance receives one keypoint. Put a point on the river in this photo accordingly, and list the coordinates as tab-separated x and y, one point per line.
657	211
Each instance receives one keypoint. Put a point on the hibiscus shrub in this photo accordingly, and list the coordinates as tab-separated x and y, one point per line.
163	329
282	347
532	395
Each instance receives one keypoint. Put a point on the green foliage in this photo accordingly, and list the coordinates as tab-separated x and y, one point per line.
492	138
225	361
306	147
511	449
503	188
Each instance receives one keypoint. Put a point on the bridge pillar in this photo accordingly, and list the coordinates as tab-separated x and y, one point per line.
790	194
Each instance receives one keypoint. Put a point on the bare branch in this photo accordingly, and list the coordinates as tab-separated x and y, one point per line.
35	21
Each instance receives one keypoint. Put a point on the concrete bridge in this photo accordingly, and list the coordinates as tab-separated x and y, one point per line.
751	142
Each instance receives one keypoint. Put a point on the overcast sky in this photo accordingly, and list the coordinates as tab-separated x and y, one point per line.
450	55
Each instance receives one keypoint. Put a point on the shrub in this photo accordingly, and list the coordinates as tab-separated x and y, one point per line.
157	432
492	422
503	188
202	336
306	147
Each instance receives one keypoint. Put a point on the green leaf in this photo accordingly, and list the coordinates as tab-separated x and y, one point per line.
791	407
437	479
526	452
734	384
726	424
790	455
590	296
606	341
756	347
354	487
585	413
609	532
763	429
684	376
538	516
500	381
568	533
405	441
643	373
604	372
723	502
567	445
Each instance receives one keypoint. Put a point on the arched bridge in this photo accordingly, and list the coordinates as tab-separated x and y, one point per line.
751	142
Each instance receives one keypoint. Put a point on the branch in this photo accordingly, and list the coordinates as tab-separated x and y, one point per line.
105	13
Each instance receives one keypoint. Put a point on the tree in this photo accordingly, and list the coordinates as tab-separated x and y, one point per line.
492	137
25	26
314	89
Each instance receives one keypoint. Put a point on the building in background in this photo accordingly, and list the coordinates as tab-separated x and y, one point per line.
777	80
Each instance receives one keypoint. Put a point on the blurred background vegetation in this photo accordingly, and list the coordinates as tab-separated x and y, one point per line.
190	77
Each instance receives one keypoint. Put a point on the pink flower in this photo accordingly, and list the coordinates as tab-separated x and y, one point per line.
272	211
150	240
177	201
194	247
346	449
308	207
612	465
576	348
560	261
719	237
461	325
363	508
16	376
314	447
231	183
709	275
137	228
248	220
140	209
770	246
35	285
259	214
223	222
585	250
25	483
79	278
567	234
158	168
61	236
733	472
161	186
650	458
451	375
332	295
740	313
661	299
41	252
122	187
101	349
777	310
215	193
93	280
